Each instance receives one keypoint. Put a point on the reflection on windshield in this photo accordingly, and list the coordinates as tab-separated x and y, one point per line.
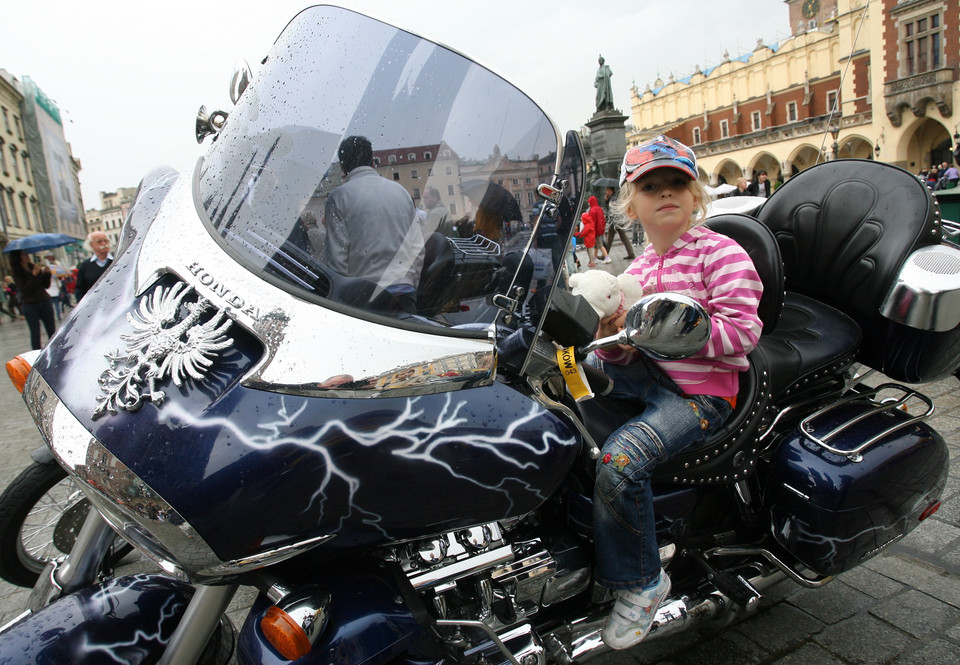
372	168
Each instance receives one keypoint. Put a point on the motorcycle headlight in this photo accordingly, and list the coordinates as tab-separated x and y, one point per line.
131	506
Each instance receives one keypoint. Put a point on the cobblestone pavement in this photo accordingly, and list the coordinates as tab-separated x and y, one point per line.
902	607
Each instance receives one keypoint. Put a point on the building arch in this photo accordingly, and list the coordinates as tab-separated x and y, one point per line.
855	146
803	157
764	161
728	171
926	142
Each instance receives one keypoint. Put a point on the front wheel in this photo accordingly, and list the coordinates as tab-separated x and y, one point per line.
41	513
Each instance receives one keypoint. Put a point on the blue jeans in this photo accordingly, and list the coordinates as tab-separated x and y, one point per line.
35	313
624	526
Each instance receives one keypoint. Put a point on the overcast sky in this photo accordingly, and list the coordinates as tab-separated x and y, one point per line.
129	76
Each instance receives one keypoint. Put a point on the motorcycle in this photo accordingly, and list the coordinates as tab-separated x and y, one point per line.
413	488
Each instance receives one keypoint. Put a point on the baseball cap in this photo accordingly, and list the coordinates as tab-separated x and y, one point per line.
656	153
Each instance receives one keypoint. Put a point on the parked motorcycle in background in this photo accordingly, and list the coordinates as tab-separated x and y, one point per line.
415	487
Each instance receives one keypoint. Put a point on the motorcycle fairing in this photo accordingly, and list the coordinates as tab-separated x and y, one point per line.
374	622
126	620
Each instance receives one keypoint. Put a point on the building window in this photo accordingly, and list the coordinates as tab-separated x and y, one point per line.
6	120
23	207
791	111
12	209
376	161
530	199
529	180
448	170
427	156
453	208
696	136
16	164
3	159
3	213
412	157
414	174
831	101
724	129
756	120
450	191
922	42
430	173
396	176
416	193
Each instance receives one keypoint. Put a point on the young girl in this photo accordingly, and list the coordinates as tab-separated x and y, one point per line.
685	400
588	236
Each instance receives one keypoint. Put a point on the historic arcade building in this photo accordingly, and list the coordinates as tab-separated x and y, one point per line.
873	79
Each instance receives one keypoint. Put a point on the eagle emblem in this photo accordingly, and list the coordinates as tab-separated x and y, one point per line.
161	346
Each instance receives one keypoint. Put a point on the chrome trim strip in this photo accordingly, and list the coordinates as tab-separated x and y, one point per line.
463	568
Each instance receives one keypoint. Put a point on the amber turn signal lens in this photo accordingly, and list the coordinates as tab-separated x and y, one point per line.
284	634
17	370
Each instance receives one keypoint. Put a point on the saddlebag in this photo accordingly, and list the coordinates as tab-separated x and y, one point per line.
852	479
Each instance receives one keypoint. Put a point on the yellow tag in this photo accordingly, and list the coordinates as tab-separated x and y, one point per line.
573	374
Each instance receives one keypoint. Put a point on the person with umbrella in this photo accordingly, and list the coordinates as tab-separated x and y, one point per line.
32	282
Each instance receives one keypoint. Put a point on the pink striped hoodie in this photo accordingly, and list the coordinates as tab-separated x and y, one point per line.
715	271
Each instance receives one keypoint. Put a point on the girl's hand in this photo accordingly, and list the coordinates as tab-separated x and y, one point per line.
611	325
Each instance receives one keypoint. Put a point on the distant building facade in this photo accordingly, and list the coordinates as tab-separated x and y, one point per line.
877	82
19	204
109	217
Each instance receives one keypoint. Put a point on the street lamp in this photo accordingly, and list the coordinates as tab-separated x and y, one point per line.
876	150
835	133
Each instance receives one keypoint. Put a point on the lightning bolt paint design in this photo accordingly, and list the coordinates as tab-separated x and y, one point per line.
420	442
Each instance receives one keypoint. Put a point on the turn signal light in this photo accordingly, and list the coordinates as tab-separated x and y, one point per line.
929	510
17	369
284	634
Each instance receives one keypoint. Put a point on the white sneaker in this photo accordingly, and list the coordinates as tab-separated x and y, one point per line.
608	260
633	613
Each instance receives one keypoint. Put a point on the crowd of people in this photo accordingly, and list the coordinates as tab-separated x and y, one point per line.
940	177
39	290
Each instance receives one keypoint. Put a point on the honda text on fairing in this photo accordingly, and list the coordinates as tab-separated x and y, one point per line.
413	487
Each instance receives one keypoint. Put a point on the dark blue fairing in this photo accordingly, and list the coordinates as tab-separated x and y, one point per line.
370	623
127	620
252	470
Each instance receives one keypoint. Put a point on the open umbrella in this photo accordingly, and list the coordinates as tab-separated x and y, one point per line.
39	242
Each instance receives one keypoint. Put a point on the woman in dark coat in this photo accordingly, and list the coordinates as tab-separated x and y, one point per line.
32	282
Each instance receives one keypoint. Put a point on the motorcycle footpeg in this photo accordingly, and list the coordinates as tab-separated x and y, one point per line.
735	587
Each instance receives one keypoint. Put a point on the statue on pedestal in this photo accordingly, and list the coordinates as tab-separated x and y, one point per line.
604	90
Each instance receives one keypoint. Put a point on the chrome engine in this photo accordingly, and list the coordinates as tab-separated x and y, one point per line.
484	587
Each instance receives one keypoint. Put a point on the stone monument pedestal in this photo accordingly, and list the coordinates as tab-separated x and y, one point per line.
608	141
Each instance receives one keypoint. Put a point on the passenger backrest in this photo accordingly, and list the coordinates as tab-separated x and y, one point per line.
758	241
845	228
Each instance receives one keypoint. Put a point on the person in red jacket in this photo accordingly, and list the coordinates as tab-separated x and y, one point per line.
599	226
588	236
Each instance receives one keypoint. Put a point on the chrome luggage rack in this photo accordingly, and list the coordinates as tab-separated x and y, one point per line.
476	246
882	406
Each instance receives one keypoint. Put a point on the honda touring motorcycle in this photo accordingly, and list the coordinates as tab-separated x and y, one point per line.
413	487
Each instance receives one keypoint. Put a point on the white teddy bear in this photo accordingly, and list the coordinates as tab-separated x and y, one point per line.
606	293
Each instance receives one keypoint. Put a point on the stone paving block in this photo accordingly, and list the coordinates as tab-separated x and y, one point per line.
938	652
831	603
931	537
904	569
949	511
871	582
863	640
809	654
781	628
728	648
943	587
917	613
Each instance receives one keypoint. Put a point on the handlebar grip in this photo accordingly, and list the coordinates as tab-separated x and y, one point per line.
599	381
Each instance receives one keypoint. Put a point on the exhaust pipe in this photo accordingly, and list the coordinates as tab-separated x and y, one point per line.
584	635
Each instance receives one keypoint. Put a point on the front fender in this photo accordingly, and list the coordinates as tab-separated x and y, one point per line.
126	620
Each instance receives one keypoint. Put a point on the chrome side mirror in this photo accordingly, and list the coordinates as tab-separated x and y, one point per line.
240	79
665	325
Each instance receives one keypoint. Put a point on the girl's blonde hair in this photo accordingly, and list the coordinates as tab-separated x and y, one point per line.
700	201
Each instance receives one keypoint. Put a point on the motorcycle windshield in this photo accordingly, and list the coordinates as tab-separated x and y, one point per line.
371	169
